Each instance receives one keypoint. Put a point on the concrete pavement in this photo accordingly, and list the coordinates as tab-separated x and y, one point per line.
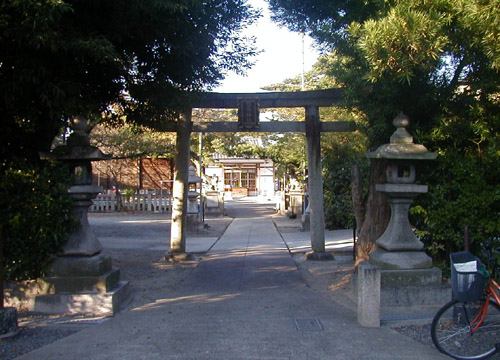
245	300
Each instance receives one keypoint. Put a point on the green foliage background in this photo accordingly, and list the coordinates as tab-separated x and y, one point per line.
438	62
338	161
36	216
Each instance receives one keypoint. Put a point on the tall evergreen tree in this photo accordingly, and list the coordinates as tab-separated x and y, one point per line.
438	61
62	58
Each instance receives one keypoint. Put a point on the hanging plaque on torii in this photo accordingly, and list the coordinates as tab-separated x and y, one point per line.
248	114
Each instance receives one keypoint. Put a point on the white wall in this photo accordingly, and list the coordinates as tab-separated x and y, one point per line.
266	180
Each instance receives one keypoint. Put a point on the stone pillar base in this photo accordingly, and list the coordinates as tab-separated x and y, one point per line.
319	256
178	257
406	292
400	260
86	285
408	281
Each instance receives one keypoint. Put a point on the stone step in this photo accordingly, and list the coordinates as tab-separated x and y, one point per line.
102	303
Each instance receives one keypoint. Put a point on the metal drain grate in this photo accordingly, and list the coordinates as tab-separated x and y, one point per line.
308	325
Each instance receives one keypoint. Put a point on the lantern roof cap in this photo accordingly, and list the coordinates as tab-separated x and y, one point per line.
401	144
193	178
78	146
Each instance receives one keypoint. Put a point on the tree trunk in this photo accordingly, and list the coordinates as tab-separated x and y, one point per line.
377	213
357	196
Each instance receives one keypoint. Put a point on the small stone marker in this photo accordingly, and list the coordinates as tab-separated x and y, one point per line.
368	295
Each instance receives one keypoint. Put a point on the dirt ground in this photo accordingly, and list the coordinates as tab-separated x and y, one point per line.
332	279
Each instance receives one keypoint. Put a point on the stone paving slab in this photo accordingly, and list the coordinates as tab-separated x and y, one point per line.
335	241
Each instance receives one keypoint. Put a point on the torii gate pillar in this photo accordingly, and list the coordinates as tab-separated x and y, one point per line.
315	179
180	190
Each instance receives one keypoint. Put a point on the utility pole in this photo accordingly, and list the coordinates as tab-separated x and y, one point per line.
303	80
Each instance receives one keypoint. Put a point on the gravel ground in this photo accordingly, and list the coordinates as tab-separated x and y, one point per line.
420	333
145	270
30	339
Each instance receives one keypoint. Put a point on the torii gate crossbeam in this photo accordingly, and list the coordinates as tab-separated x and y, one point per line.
312	126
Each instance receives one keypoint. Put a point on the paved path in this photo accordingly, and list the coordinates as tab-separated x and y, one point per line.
245	300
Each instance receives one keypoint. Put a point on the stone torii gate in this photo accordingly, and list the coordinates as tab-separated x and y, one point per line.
248	105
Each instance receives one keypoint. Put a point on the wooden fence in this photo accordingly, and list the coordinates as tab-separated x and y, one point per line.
137	202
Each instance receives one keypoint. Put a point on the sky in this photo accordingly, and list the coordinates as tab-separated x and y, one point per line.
281	59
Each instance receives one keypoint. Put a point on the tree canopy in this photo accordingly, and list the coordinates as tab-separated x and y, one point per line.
64	58
437	61
410	55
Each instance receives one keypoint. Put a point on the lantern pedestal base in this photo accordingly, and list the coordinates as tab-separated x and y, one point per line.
409	283
400	260
76	285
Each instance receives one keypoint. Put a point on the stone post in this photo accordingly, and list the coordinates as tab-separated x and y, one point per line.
8	322
317	216
180	190
368	295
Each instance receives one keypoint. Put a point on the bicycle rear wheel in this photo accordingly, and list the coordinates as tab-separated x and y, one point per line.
451	330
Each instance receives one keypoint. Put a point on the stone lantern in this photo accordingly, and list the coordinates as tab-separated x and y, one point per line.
78	154
398	247
194	220
81	279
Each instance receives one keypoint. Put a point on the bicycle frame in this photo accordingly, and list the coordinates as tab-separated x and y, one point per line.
491	291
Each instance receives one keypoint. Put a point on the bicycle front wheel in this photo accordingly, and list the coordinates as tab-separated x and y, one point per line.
451	330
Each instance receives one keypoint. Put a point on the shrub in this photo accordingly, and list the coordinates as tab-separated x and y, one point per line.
461	193
36	215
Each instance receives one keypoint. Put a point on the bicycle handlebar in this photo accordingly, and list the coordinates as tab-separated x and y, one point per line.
489	251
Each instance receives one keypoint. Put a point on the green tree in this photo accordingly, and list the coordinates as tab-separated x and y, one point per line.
65	58
340	152
438	62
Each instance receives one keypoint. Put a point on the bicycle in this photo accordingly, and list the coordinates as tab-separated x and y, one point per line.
468	327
